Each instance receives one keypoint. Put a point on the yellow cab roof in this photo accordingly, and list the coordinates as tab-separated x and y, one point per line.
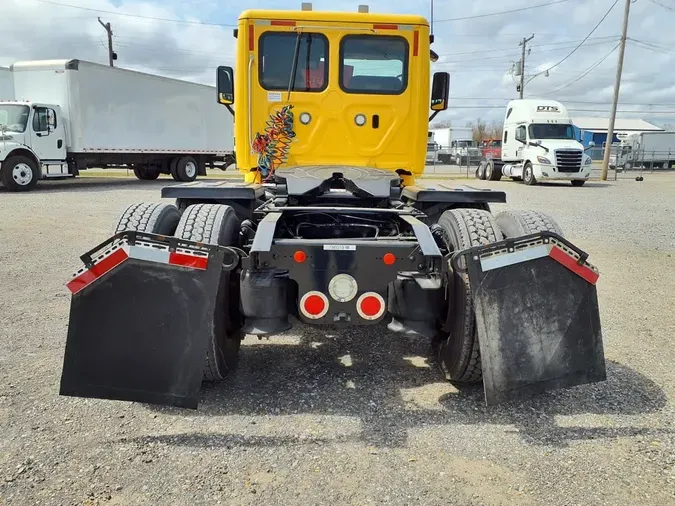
329	16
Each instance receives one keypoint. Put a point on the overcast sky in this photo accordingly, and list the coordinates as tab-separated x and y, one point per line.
478	52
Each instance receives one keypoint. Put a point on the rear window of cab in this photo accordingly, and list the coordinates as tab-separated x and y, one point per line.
369	64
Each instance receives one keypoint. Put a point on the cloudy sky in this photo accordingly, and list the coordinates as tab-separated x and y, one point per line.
478	42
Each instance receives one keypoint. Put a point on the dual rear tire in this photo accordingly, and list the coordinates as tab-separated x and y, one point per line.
456	343
211	224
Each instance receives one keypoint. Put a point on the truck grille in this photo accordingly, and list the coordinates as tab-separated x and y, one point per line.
568	160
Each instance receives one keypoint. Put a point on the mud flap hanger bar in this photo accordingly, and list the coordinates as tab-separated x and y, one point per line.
231	258
513	245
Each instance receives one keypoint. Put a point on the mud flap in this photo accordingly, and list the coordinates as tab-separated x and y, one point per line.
141	315
537	315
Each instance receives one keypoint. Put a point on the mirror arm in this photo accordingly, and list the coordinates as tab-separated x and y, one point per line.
229	108
433	115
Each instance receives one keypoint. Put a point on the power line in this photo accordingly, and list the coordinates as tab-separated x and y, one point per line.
584	73
520	9
582	42
137	16
662	5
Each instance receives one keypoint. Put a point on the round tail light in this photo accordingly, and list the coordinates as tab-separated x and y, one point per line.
370	306
314	305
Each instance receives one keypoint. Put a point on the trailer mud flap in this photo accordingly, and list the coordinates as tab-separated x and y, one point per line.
537	315
141	315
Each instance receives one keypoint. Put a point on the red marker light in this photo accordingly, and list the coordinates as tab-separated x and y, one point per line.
389	258
370	306
299	256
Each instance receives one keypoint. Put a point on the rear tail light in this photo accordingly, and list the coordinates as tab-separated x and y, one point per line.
314	305
370	306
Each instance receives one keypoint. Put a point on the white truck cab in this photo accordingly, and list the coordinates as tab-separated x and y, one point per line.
539	144
32	143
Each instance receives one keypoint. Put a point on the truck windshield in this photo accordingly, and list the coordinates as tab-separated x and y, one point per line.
14	117
551	131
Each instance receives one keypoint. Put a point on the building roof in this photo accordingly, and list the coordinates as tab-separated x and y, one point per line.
602	124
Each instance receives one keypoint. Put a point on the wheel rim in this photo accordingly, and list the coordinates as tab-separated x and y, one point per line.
190	169
528	173
22	174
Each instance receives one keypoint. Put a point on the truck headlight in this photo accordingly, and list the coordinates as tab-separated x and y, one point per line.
543	159
588	161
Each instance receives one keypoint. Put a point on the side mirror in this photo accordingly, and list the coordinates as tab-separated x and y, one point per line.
591	144
440	89
225	85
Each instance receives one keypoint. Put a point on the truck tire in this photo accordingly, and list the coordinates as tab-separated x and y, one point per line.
491	173
480	171
19	173
518	223
528	174
457	346
150	217
218	224
578	182
145	173
184	169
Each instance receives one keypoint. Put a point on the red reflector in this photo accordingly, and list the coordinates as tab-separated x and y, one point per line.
416	42
314	305
385	27
370	306
389	258
98	270
282	22
563	258
251	38
299	256
188	260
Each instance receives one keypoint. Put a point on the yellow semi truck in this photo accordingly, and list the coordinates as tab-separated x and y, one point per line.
330	227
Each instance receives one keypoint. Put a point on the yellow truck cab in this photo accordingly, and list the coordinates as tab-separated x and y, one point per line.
331	88
330	229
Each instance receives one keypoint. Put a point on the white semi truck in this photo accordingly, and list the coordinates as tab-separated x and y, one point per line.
68	115
538	144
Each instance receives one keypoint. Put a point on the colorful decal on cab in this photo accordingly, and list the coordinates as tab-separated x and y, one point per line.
274	145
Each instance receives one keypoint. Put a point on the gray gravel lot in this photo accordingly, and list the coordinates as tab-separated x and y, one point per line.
360	417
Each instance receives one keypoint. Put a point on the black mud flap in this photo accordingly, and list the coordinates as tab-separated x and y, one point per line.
141	315
537	315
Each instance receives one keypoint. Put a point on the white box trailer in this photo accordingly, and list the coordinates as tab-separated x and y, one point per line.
6	84
648	149
455	144
73	114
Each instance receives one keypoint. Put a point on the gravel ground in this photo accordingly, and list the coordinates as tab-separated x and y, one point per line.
360	417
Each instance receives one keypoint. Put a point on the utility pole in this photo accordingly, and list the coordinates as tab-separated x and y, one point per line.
111	54
617	84
522	65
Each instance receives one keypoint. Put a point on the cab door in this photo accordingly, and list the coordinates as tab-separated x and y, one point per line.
47	134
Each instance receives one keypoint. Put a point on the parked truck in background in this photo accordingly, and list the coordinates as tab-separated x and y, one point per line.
647	149
538	144
455	145
69	115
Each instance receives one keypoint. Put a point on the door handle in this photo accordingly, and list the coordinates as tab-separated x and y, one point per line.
59	143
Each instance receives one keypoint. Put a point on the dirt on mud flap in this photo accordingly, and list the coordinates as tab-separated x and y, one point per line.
140	319
537	315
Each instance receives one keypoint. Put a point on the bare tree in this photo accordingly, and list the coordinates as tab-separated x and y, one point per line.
496	129
444	123
668	127
479	130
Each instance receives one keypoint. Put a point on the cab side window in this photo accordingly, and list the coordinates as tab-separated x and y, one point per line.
506	136
43	119
520	133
